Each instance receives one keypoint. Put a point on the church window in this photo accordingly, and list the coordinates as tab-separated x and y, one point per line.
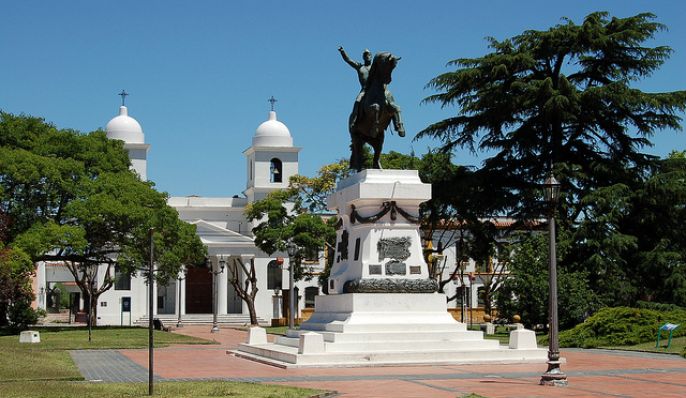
274	275
275	170
122	280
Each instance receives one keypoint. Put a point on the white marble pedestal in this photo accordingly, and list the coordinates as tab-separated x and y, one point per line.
378	311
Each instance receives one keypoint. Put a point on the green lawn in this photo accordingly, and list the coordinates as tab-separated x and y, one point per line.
17	364
53	389
102	338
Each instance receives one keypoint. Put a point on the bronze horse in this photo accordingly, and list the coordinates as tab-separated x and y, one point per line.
375	111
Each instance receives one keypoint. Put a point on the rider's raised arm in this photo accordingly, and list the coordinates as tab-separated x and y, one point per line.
355	65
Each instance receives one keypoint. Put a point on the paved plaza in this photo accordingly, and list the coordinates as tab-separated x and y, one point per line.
592	373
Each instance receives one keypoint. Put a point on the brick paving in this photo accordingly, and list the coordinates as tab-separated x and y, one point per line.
592	373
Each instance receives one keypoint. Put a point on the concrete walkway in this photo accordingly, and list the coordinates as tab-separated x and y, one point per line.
592	373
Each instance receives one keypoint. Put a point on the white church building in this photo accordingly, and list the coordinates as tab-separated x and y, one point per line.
221	225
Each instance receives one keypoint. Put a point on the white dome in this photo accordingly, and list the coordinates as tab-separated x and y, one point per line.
272	133
125	128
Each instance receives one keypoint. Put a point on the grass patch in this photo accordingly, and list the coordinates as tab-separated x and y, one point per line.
168	389
678	346
102	338
280	330
36	365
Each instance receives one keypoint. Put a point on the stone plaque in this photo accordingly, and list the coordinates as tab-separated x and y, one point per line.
415	269
394	267
374	269
395	248
386	285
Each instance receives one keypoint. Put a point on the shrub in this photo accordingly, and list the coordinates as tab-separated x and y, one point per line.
659	306
619	326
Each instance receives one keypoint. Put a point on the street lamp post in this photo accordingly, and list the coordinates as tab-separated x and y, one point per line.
293	250
151	282
554	376
182	276
222	264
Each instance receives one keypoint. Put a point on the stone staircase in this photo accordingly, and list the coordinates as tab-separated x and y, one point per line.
203	319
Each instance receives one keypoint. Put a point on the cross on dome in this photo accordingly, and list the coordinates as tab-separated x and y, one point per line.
123	96
272	100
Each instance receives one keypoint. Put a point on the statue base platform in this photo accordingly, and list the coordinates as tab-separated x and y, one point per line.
385	329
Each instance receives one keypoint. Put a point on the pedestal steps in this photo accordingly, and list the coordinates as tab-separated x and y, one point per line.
398	345
358	334
432	335
288	357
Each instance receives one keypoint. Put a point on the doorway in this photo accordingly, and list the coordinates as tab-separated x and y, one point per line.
198	291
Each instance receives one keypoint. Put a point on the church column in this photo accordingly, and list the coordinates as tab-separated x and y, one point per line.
41	286
182	303
154	298
222	290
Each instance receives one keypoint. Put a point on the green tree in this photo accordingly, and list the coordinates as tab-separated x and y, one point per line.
16	269
72	198
560	98
564	99
278	222
525	291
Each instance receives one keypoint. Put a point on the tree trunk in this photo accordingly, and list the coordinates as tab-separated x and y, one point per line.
253	313
94	310
487	299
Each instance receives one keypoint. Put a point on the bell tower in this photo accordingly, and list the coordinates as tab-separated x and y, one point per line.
125	128
271	159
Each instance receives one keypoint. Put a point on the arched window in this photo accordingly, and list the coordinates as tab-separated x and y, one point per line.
275	170
273	275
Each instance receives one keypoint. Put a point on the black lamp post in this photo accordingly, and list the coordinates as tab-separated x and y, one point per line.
222	264
151	282
292	250
554	376
182	276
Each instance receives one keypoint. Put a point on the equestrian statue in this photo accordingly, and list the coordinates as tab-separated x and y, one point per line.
374	106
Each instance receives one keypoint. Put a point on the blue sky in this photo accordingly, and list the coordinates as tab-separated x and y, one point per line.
200	73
